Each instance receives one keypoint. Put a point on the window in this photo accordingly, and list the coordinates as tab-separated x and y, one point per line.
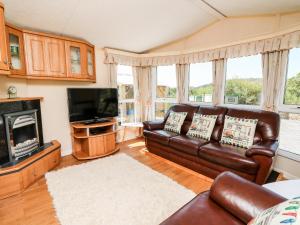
243	81
126	94
290	113
200	82
165	90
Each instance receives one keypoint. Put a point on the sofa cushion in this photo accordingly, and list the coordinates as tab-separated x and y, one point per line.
190	109
268	122
202	210
215	110
228	156
160	136
187	144
202	126
175	121
238	131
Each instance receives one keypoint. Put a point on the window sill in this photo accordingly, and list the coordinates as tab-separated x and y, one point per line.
241	106
289	155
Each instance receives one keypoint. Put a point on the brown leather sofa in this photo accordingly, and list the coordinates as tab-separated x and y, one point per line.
211	157
231	200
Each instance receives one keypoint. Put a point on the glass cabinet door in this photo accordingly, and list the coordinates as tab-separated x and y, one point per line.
90	62
16	51
75	57
14	46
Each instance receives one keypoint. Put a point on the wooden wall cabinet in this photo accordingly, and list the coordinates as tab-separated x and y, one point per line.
4	66
15	179
35	55
45	57
15	49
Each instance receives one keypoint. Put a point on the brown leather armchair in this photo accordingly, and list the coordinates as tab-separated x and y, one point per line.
211	157
231	200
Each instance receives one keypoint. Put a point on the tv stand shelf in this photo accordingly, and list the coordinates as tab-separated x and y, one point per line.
95	140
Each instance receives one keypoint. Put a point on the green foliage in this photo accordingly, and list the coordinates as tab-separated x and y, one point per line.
292	92
247	90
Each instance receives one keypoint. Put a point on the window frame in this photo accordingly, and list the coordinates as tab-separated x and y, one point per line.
243	106
295	109
124	101
160	100
188	88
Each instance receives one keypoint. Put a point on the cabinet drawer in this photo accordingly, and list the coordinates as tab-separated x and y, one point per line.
52	160
33	172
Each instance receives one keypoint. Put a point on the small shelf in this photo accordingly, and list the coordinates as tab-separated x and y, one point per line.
87	145
93	136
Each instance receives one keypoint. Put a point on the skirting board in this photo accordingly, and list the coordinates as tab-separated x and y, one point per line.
287	175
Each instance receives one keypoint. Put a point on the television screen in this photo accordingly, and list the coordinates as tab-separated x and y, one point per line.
92	103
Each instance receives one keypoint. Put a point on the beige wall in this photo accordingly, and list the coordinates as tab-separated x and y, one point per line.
234	30
54	106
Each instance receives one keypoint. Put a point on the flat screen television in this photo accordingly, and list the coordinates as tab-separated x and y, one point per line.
92	104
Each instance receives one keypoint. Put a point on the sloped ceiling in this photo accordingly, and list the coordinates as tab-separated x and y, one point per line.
132	25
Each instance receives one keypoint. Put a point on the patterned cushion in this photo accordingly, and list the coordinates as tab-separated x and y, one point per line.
175	121
239	132
202	126
287	212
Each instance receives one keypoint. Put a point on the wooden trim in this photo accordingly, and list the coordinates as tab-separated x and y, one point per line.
4	100
94	125
84	156
65	38
51	78
51	35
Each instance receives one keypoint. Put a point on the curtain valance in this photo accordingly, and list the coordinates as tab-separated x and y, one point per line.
278	43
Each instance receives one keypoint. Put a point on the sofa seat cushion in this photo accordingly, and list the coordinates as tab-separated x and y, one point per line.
202	210
160	136
228	156
187	144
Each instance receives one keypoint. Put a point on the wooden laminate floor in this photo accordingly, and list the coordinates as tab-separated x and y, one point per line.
34	206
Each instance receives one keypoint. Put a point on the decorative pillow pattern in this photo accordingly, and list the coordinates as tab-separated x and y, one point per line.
239	132
175	121
202	126
287	212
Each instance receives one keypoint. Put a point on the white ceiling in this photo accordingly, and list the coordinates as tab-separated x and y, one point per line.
133	25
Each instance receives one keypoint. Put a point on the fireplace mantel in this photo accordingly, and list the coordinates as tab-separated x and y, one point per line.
3	100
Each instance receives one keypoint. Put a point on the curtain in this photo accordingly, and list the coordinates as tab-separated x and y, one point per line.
219	70
143	84
277	43
182	78
274	66
112	75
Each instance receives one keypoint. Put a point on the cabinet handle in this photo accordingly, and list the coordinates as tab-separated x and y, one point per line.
5	62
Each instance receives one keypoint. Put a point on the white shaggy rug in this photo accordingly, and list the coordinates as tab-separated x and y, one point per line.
115	190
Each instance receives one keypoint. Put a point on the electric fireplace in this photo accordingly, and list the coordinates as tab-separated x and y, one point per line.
22	133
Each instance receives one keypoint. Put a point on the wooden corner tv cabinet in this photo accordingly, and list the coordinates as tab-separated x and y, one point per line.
15	179
91	141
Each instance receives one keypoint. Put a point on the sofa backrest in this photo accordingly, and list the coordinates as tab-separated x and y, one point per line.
190	109
215	110
268	122
267	127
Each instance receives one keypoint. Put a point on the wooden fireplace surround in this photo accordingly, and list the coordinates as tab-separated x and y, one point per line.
15	179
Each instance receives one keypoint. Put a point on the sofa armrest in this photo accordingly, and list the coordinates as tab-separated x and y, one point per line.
266	148
154	125
242	198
